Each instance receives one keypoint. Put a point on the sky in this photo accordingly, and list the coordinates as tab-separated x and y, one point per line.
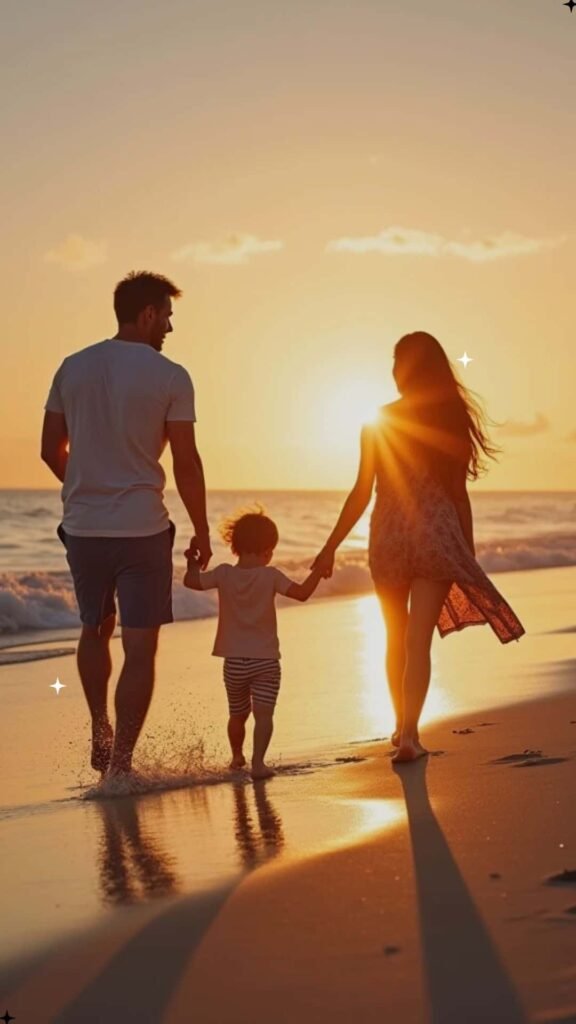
319	178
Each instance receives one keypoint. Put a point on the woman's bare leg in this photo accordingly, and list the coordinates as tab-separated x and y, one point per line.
394	604
426	600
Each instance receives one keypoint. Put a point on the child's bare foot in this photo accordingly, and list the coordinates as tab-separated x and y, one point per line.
238	761
102	740
261	771
409	749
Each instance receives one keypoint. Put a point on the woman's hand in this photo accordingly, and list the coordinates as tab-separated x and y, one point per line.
324	562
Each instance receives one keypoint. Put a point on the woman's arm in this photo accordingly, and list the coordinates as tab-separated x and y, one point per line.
356	502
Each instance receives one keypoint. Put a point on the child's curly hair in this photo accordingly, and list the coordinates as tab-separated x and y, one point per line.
250	531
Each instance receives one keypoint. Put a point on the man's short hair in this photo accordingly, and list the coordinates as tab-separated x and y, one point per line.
138	290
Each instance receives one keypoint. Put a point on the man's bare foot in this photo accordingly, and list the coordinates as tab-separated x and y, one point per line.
102	740
238	761
261	771
408	750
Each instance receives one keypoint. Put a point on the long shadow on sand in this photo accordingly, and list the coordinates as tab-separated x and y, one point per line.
140	979
465	978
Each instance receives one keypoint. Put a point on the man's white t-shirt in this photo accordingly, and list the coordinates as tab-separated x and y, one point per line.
247	613
116	397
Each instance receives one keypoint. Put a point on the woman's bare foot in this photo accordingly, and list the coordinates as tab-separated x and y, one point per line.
238	761
102	740
409	749
261	771
396	736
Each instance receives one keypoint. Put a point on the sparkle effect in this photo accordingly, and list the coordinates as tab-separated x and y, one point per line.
7	1017
465	359
571	5
55	686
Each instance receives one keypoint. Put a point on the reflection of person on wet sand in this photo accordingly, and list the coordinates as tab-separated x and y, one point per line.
132	868
255	848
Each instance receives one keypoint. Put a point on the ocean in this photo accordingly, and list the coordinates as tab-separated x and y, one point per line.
514	531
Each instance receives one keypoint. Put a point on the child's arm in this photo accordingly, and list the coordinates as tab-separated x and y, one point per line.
302	591
192	577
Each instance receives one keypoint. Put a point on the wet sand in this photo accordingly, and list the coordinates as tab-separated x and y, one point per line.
341	889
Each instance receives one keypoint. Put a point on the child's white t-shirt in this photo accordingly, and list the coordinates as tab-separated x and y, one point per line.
247	617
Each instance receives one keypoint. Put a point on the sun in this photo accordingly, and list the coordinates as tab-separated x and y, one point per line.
350	404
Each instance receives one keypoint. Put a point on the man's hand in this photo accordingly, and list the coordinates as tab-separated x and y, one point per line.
324	562
199	551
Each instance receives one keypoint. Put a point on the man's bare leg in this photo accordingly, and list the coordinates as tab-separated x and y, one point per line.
95	667
133	693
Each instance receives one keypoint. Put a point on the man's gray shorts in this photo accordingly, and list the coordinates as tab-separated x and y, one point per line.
137	569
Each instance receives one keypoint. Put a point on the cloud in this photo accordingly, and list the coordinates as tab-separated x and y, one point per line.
412	242
515	429
77	253
233	250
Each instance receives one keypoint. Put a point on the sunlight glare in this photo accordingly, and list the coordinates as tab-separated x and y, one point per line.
375	694
351	404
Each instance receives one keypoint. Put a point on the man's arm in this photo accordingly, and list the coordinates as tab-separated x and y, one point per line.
54	451
189	478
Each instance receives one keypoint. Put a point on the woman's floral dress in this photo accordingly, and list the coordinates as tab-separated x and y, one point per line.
415	532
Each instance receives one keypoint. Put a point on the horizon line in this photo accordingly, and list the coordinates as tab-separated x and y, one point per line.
307	490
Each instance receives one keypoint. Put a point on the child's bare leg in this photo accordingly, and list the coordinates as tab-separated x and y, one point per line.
236	735
263	729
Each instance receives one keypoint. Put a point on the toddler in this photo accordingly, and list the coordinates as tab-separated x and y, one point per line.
246	637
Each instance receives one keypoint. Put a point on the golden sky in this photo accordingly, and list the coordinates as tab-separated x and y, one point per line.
319	178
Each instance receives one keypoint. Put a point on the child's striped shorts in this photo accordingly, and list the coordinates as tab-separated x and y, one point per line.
249	679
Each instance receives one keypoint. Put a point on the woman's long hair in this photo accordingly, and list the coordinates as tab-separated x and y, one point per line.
447	423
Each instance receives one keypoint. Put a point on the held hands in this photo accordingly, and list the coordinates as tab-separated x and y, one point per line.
324	562
199	552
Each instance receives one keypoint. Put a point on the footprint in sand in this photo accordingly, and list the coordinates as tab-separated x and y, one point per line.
528	759
566	877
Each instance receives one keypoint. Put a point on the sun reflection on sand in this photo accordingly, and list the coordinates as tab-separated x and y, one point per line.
374	693
319	824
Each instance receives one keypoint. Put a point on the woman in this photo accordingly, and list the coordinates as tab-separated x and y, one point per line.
420	451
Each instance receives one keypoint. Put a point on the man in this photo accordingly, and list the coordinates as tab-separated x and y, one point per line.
115	404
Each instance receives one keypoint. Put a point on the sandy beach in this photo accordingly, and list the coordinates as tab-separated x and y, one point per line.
341	889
